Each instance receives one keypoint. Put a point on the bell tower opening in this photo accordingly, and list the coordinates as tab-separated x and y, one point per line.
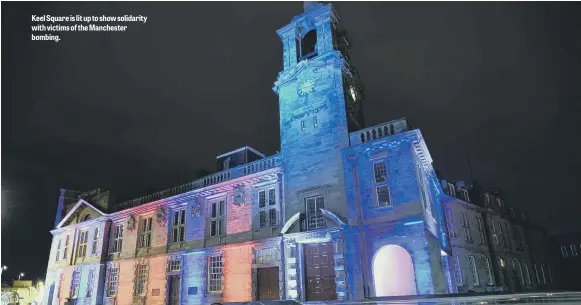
308	45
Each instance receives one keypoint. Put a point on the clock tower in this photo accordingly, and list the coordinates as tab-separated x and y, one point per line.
320	103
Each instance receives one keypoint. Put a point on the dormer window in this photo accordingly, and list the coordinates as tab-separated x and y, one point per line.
451	190
464	195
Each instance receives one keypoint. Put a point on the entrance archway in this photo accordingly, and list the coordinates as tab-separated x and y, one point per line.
393	272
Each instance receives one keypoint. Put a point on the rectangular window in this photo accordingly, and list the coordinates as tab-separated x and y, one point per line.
315	218
58	250
466	226
379	172
116	239
76	283
315	123
458	271
217	218
174	266
145	235
265	256
90	283
573	250
450	222
564	252
112	281
215	267
261	199
494	235
488	270
383	199
178	229
451	190
271	197
95	241
83	242
521	273
267	208
381	187
66	247
464	195
527	273
303	125
480	227
423	190
472	263
141	280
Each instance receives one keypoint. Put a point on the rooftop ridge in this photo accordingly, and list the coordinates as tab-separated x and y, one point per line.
208	180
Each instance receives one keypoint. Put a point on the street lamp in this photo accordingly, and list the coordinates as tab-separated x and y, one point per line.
20	275
4	268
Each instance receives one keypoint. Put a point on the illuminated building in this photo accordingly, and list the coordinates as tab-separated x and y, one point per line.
495	247
344	211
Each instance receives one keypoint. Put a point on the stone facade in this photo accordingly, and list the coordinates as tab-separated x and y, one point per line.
342	212
515	245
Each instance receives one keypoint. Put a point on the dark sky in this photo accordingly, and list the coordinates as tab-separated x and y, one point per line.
148	108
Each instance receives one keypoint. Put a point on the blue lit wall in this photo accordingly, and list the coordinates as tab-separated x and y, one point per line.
406	223
194	277
313	121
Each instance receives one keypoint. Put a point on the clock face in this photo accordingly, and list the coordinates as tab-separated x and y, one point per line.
306	87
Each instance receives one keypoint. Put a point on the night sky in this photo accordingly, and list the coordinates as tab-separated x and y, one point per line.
151	108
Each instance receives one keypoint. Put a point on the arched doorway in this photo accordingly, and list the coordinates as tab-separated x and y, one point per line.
393	272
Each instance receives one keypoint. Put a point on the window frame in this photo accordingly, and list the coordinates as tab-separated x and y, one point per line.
58	250
269	194
573	248
116	245
141	276
474	270
215	273
95	242
480	228
522	276
66	248
90	283
488	271
112	283
564	252
178	226
316	221
380	184
528	273
458	271
83	244
466	227
450	222
219	219
76	284
145	230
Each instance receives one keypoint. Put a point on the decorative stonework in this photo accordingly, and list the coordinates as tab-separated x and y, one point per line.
239	195
160	216
131	223
195	209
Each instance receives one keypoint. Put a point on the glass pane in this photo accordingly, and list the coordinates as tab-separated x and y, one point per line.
261	199
271	197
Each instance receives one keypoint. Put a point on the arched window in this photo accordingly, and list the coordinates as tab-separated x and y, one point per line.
87	217
309	45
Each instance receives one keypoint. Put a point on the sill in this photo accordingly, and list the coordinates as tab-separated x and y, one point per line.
387	207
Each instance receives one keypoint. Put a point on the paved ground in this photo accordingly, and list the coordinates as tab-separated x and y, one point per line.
556	298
